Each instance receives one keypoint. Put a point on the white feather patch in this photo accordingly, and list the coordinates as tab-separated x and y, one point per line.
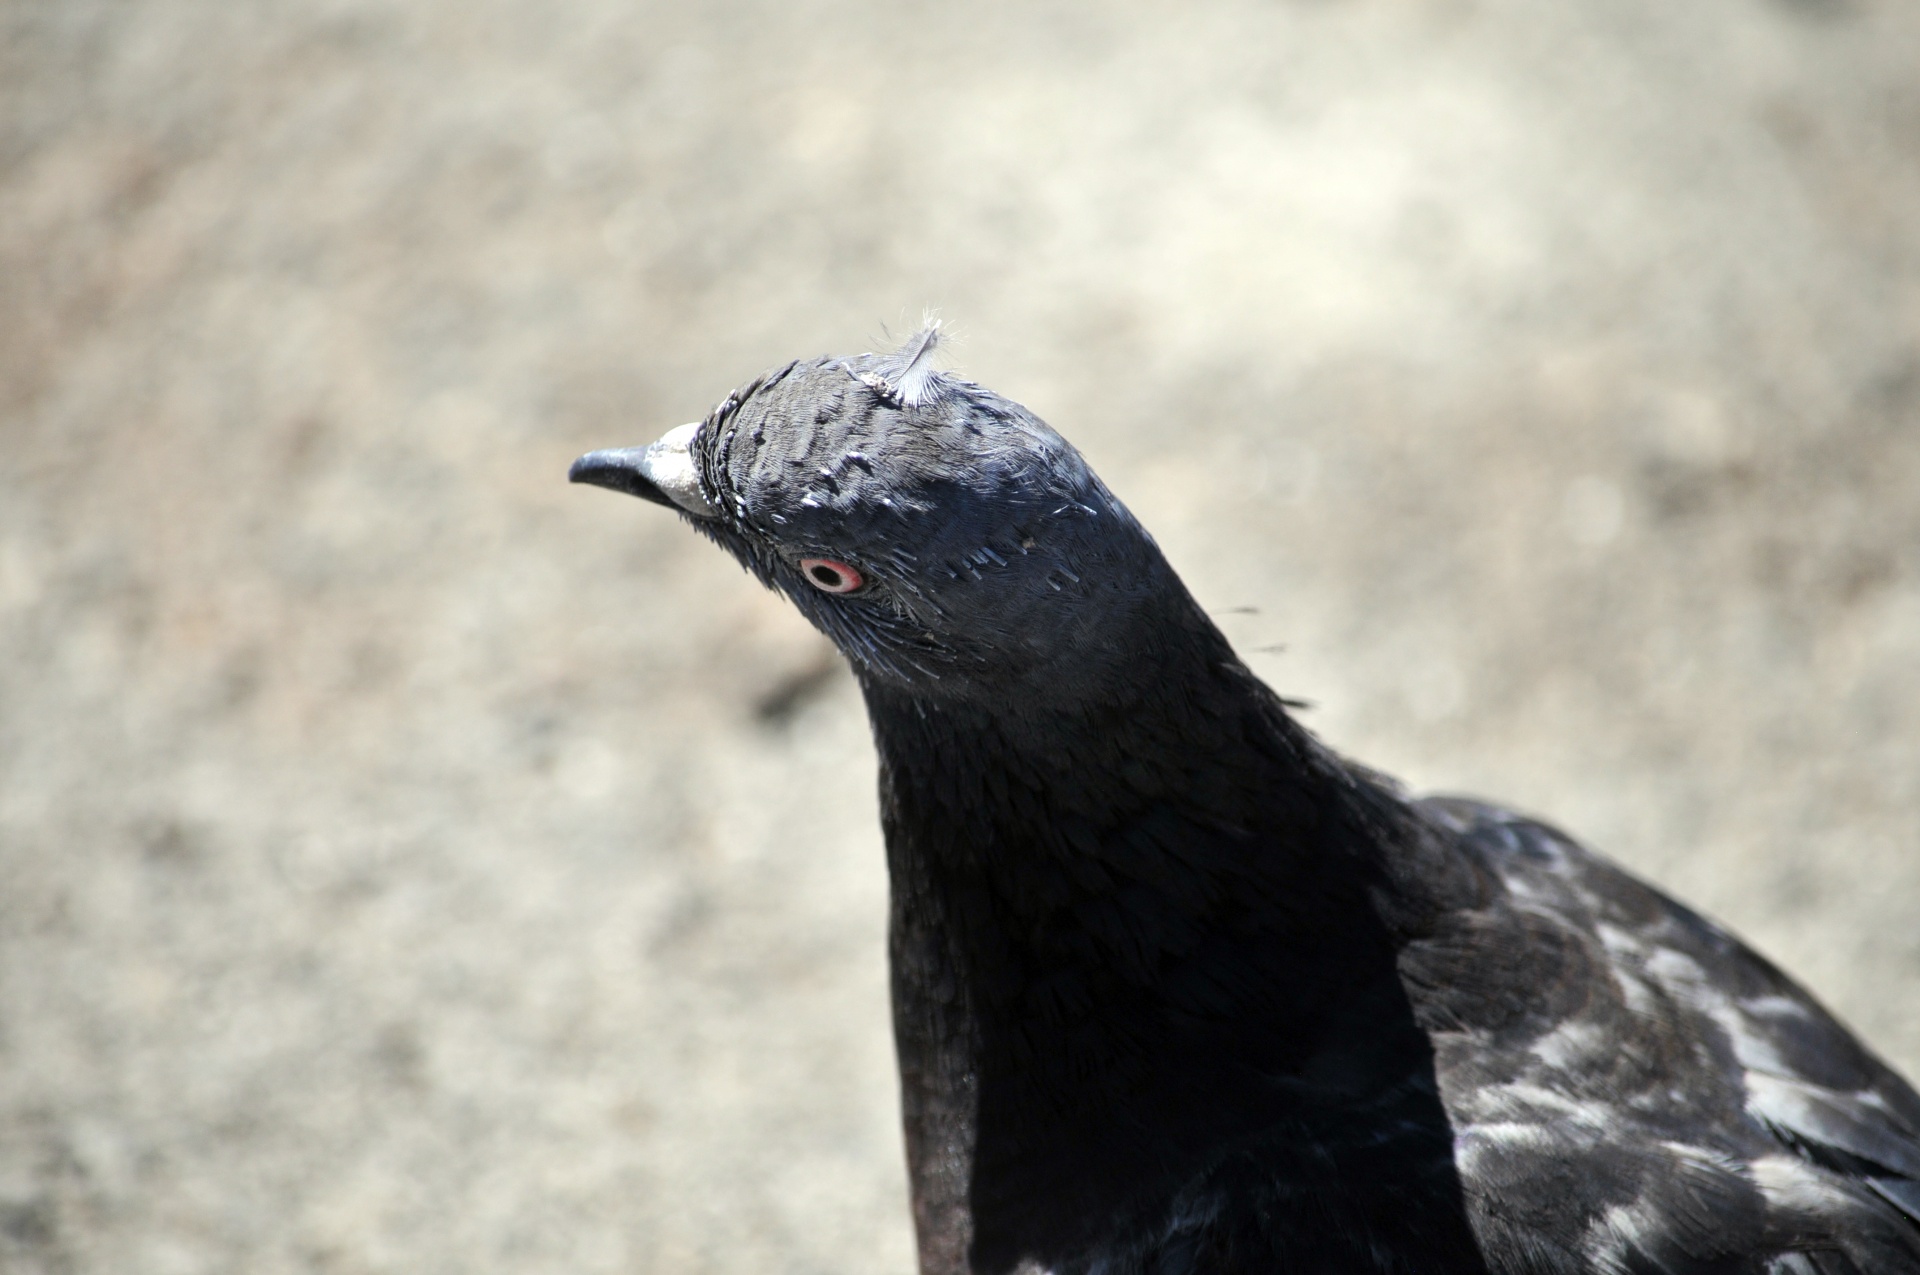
915	381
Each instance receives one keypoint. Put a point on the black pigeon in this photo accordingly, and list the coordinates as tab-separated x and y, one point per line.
1176	989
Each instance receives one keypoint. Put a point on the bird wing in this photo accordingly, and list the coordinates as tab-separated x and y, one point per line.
1633	1090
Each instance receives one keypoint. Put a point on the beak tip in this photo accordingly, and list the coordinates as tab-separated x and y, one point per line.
590	468
617	469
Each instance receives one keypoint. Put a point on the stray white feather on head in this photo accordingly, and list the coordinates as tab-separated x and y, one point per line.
916	381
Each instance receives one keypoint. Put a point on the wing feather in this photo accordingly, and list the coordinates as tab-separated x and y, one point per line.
1812	1120
1630	1063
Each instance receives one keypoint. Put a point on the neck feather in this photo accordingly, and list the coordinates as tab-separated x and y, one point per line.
1130	926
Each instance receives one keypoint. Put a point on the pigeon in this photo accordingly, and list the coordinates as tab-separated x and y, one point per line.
1176	989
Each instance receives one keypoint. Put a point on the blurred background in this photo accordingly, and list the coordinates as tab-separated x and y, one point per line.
409	863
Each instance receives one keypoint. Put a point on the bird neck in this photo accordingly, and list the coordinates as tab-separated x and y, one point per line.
1126	928
1176	761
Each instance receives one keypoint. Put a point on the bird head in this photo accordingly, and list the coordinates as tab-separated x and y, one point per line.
945	538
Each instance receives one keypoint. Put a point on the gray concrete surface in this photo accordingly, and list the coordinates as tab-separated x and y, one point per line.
412	864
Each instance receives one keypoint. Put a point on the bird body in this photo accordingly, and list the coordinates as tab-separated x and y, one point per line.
1177	990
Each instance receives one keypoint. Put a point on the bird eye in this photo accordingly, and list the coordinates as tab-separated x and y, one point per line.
829	576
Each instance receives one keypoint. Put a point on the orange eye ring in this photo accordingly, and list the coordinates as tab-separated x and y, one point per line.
829	576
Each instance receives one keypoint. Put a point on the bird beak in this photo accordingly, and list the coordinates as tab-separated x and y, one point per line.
662	471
